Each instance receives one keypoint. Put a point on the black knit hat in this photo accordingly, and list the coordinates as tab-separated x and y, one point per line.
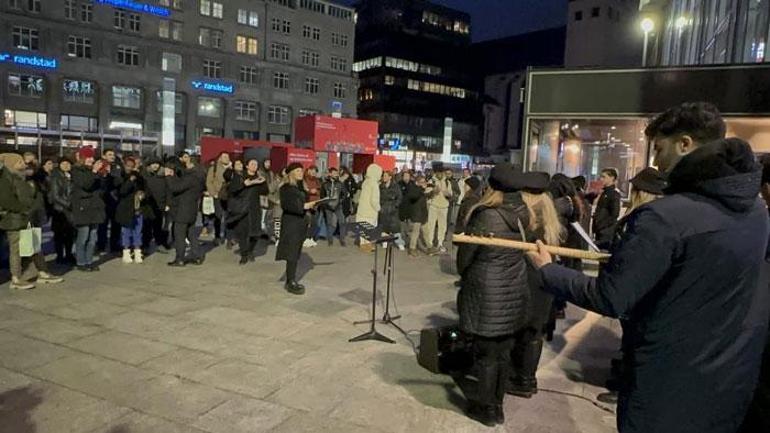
505	177
650	180
473	182
293	166
535	182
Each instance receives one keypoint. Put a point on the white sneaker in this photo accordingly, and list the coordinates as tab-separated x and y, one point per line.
138	255
307	244
401	247
127	257
46	278
17	284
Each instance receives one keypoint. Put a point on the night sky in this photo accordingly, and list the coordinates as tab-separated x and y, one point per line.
492	19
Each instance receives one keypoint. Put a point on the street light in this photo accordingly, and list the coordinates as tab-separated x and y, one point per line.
648	25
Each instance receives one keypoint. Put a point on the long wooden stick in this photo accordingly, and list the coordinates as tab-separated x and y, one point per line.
526	246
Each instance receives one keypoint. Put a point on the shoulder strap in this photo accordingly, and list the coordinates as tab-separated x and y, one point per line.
519	225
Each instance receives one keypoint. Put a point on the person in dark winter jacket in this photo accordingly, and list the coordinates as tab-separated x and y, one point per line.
88	210
350	190
60	198
156	205
185	190
17	202
607	209
471	196
494	296
294	225
545	222
686	278
335	191
130	189
110	173
244	210
390	199
415	210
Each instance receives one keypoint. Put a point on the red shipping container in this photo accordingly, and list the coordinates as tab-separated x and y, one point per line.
212	147
361	162
280	157
329	134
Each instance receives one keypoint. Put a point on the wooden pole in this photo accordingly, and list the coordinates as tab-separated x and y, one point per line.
526	246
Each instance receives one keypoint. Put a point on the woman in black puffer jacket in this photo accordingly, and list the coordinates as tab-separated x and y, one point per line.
494	294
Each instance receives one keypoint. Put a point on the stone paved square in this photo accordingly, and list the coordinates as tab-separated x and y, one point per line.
222	348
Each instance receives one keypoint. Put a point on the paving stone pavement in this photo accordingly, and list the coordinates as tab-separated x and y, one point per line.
223	349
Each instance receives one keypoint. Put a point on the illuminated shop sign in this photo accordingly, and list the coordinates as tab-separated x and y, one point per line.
37	61
216	87
137	7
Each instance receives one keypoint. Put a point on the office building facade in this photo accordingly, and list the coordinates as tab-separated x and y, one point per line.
603	33
416	79
96	72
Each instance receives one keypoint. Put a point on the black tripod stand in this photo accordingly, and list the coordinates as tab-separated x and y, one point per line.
373	334
389	273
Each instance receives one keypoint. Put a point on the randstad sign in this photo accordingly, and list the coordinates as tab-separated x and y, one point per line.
137	7
213	86
24	60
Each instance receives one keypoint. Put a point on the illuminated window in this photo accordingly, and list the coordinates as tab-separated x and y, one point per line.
211	8
79	123
171	62
248	18
390	80
209	107
178	102
126	97
26	85
79	91
246	45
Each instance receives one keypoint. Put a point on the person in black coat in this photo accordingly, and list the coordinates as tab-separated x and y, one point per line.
88	210
244	209
493	296
130	188
472	196
350	189
185	190
686	277
156	204
294	224
414	209
390	199
60	198
335	191
607	209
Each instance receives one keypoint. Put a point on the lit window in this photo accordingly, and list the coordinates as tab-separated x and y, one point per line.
178	102
79	91
172	62
26	85
79	123
126	97
390	80
248	18
209	107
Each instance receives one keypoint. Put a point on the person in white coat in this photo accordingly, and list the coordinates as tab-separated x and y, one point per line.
369	201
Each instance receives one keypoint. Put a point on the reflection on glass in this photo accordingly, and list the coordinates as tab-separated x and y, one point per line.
585	147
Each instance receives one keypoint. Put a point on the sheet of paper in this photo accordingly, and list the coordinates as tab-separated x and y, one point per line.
578	228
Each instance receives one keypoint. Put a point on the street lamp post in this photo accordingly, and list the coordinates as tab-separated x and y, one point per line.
648	25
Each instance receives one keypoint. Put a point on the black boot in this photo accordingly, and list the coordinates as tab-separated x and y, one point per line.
294	288
244	260
526	357
499	414
483	413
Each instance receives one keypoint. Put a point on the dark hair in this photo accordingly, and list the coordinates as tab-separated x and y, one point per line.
563	186
104	151
700	120
765	161
182	153
65	159
611	172
332	169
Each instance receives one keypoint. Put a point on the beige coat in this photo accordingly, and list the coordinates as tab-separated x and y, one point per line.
215	179
369	202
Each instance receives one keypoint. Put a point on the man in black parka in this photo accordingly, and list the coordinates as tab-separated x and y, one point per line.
685	277
185	189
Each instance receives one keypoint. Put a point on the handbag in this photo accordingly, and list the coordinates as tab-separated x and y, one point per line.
208	206
30	241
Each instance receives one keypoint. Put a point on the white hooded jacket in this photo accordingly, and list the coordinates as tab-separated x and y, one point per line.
369	202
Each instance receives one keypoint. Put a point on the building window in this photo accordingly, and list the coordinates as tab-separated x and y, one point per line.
363	65
312	5
70	9
119	19
26	85
79	91
240	134
209	107
339	40
310	32
25	38
212	68
340	90
248	75
312	86
338	12
134	22
79	123
245	110
278	115
127	97
86	12
595	12
248	18
310	58
178	102
210	37
171	62
281	80
304	112
279	52
78	46
366	95
339	64
28	119
176	4
579	16
33	5
128	56
246	45
211	8
14	4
